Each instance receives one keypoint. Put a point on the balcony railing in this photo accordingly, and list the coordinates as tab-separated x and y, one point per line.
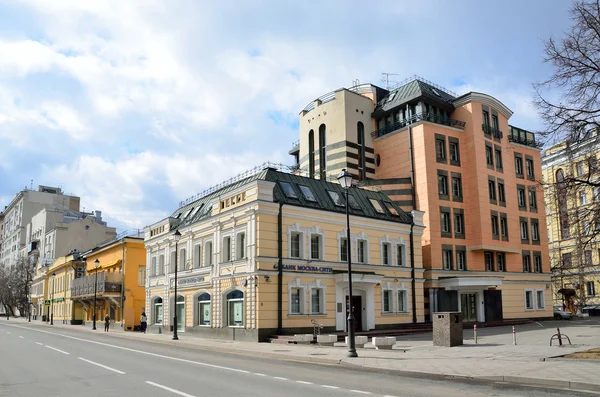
108	283
295	148
432	118
523	137
488	129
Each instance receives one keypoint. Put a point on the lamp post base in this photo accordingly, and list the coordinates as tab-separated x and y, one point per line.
175	337
352	353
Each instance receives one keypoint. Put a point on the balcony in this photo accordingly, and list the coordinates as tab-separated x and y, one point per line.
430	117
108	284
495	132
523	137
295	148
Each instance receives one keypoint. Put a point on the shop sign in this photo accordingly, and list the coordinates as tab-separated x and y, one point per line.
305	268
188	281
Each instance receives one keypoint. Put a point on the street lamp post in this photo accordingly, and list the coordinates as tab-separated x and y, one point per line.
52	300
96	264
345	180
176	236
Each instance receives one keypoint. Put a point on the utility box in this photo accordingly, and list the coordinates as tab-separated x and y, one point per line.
447	329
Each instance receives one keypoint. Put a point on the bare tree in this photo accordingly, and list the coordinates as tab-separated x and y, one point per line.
569	104
15	287
569	101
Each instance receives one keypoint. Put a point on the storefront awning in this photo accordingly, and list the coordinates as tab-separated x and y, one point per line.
465	282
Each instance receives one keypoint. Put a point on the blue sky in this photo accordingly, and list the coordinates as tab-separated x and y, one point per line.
136	105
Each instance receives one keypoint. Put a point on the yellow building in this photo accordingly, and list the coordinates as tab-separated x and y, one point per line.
573	225
267	254
113	282
58	299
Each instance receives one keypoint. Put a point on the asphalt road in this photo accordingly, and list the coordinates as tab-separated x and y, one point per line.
36	361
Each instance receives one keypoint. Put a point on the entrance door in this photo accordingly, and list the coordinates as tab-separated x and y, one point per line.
357	310
493	305
468	305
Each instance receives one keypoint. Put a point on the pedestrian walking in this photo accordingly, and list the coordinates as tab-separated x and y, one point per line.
143	321
106	323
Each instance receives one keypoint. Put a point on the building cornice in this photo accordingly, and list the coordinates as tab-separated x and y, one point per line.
484	99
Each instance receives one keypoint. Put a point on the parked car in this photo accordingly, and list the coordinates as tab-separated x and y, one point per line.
562	315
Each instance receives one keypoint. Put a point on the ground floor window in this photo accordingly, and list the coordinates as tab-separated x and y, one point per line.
158	311
235	308
296	295
403	301
204	309
316	301
541	304
387	302
528	300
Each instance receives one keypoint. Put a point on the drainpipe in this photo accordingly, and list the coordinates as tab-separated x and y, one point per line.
412	222
280	271
122	278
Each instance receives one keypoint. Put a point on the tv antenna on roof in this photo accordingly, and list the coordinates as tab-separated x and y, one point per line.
386	79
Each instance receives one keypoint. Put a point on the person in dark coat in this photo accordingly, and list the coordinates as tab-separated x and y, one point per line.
106	323
143	322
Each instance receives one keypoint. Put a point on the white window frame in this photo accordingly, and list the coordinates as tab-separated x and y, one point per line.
300	245
449	267
226	253
182	258
300	291
365	255
524	231
199	304
385	291
535	231
461	266
402	256
582	198
141	276
198	251
153	266
301	287
403	309
161	264
321	247
587	284
390	253
238	245
208	253
321	292
537	302
529	290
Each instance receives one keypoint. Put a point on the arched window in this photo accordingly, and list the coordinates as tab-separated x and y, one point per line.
158	311
360	138
311	154
561	193
322	152
235	309
204	309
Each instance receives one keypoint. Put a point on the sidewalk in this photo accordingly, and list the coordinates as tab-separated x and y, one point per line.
494	358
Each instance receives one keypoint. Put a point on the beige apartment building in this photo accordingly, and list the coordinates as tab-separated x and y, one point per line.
457	160
266	254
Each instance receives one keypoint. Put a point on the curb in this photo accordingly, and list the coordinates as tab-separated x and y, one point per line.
546	383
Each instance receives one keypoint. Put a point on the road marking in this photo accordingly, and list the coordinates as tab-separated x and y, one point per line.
361	392
257	374
304	382
103	366
138	351
330	387
280	378
21	337
169	389
38	343
387	395
58	350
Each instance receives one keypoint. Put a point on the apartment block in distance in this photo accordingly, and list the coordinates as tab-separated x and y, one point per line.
458	160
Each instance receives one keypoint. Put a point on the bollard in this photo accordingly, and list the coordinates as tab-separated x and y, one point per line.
514	336
475	332
559	337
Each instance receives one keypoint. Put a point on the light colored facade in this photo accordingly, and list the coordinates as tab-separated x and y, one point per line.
266	254
572	222
475	177
119	278
19	213
56	305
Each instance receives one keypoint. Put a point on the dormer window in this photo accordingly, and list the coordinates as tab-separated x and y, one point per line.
288	190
